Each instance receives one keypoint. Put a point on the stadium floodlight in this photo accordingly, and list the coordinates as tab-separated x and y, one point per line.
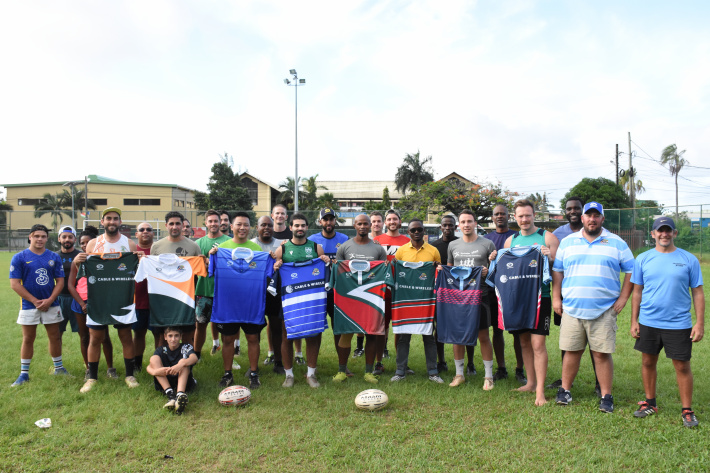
292	71
287	82
302	81
295	82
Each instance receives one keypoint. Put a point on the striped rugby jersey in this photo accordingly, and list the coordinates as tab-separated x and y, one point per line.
303	294
359	288
458	304
413	297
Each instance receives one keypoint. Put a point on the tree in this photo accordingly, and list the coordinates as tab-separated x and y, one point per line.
385	204
453	196
4	209
602	190
288	191
675	162
224	189
309	198
413	172
624	182
54	206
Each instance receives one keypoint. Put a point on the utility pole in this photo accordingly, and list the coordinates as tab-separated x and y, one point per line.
632	189
86	199
617	164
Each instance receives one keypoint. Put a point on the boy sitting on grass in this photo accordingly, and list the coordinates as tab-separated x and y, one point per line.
171	367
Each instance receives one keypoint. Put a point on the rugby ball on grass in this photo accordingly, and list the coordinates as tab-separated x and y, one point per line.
234	396
371	400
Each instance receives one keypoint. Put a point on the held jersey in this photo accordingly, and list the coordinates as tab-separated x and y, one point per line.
330	245
458	304
302	287
413	297
110	288
359	288
517	275
171	287
37	273
240	277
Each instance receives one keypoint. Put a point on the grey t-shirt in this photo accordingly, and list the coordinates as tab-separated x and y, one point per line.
269	247
370	252
184	247
475	253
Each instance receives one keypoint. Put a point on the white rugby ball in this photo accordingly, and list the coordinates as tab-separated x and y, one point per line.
234	396
371	400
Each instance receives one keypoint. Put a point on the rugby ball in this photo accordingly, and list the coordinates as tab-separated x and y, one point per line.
371	400
234	396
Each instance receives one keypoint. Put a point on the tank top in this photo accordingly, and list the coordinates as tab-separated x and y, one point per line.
291	253
537	238
103	246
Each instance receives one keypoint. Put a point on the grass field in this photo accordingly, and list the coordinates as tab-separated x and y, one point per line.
425	427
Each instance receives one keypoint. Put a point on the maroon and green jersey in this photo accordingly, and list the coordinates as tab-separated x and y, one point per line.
413	297
359	288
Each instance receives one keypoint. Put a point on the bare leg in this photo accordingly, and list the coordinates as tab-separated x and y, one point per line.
29	333
108	349
528	362
253	350
83	337
55	339
605	371
228	351
96	338
649	374
684	376
126	338
312	349
540	360
286	348
499	347
518	351
570	367
200	336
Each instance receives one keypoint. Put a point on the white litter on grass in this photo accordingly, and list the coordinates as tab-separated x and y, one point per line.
235	366
44	423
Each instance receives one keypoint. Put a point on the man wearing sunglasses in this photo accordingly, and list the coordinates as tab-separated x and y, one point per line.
144	237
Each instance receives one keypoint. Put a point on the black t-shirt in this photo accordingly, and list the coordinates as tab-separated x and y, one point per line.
67	259
284	235
171	357
443	247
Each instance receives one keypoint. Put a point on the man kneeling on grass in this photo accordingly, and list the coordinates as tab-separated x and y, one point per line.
171	367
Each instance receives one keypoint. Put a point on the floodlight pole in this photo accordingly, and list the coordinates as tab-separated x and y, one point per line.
295	82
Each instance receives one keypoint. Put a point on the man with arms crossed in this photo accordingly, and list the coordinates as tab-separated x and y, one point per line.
586	274
660	315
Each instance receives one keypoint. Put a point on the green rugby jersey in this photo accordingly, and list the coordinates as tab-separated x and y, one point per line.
110	287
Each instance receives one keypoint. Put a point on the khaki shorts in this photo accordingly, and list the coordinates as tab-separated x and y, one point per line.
599	333
36	316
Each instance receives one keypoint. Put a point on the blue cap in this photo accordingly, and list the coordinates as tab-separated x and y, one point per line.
593	206
663	222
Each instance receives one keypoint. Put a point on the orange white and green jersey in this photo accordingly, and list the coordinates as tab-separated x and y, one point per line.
171	287
359	288
413	297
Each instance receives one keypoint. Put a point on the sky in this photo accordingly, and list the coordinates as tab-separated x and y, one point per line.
532	94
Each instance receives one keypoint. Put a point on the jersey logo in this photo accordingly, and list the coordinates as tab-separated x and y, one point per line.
533	263
422	277
122	267
289	288
252	265
92	279
604	241
371	275
402	274
181	267
28	262
504	279
99	266
309	251
12	268
509	265
450	280
294	275
315	272
337	245
42	278
51	262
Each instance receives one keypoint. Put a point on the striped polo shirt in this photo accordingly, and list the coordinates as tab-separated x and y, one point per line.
591	272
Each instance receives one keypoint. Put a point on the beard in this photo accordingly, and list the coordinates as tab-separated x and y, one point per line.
594	233
112	230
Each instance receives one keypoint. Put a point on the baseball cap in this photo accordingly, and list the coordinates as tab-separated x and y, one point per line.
327	211
111	209
593	206
67	229
663	222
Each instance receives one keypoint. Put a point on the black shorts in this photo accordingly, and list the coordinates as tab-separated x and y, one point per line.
484	322
676	343
105	327
232	329
173	380
273	308
493	309
543	323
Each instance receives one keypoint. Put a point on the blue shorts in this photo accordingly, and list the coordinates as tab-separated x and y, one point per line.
143	320
66	303
76	308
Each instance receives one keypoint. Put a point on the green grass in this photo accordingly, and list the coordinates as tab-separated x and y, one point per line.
425	426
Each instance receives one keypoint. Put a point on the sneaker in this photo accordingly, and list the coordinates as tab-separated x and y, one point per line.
88	385
598	391
488	384
279	368
442	367
300	360
170	405
501	373
457	381
371	378
269	360
471	370
313	381
62	371
340	377
409	371
645	409
607	404
180	403
689	419
111	373
520	376
379	369
397	378
249	372
22	379
557	384
564	397
386	353
131	381
436	378
226	381
254	382
237	351
358	352
215	349
288	382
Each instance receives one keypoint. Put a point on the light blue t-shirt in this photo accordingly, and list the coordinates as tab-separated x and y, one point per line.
666	279
330	245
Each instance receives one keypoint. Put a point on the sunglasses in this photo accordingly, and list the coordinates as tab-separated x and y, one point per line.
416	230
141	230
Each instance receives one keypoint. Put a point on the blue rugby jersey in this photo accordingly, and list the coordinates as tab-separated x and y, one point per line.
458	304
330	245
303	294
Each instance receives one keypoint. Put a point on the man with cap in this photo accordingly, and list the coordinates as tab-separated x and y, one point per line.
67	252
586	274
660	315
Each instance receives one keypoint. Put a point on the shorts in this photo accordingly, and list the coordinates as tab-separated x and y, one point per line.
600	333
203	309
676	343
143	320
493	309
543	323
105	327
173	380
273	308
76	308
36	316
484	321
232	329
65	303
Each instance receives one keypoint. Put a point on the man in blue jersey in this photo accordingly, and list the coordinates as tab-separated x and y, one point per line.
37	276
660	315
586	274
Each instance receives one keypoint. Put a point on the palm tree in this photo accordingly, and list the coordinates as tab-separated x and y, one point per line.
624	183
5	208
52	205
413	172
675	162
288	187
310	191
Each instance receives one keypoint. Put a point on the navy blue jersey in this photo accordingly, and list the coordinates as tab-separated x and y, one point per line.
330	245
458	304
517	275
240	277
37	273
302	287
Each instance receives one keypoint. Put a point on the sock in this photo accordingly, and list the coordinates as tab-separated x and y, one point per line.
215	342
360	342
289	372
93	370
651	402
502	369
342	367
227	373
685	409
488	365
270	353
138	361
199	354
25	365
57	360
129	363
236	343
368	368
311	371
299	354
180	392
169	392
459	367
